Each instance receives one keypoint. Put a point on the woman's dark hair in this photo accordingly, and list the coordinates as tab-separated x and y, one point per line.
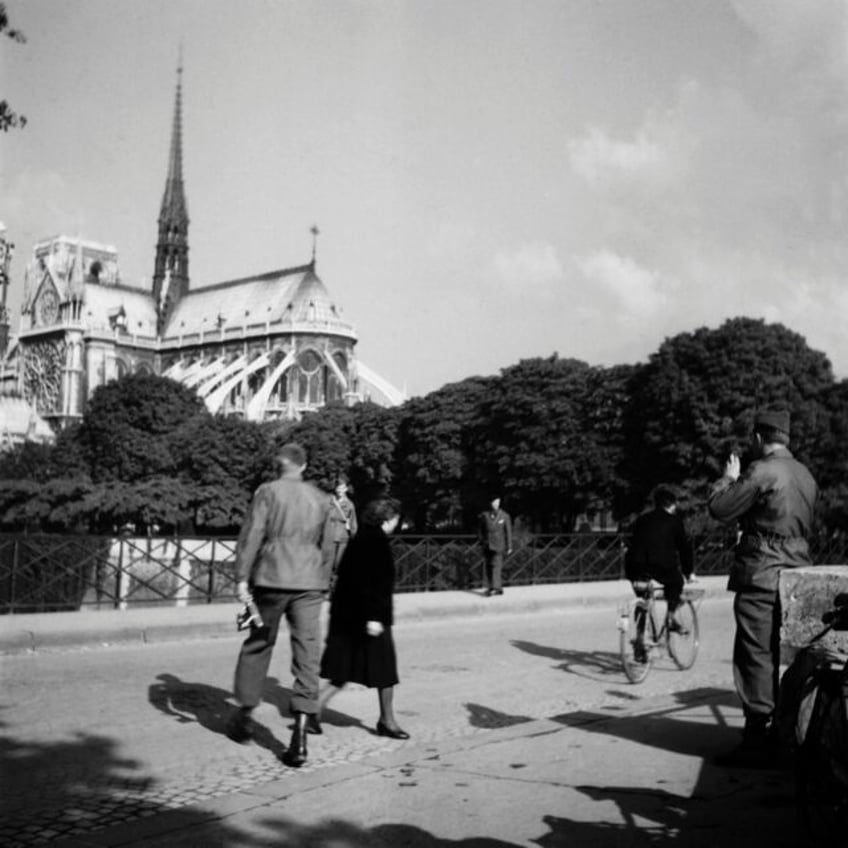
380	510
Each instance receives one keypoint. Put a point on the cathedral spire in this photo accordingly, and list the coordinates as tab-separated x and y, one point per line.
170	275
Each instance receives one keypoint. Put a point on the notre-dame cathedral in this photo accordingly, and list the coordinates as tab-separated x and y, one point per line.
267	346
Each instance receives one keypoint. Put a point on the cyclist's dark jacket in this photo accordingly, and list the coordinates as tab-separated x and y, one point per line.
774	501
659	538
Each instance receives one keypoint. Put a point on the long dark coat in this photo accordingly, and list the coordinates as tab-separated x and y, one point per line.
363	593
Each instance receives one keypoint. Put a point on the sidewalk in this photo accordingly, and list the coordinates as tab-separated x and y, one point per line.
638	778
96	628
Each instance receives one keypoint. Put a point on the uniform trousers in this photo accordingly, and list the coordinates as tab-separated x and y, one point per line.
756	652
494	569
302	610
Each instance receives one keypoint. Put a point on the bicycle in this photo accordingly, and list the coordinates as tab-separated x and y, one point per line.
821	733
643	636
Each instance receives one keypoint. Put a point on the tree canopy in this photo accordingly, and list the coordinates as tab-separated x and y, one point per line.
556	438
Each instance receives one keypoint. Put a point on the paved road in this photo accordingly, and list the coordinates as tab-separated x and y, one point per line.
101	736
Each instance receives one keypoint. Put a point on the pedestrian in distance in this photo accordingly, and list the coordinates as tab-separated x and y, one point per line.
495	534
660	549
773	500
283	562
360	648
344	521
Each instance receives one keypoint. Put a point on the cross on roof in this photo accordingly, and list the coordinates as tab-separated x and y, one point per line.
315	231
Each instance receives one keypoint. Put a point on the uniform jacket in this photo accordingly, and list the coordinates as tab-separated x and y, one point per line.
285	541
659	546
365	582
495	531
773	500
343	516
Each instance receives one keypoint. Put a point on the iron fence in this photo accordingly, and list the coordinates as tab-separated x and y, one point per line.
46	573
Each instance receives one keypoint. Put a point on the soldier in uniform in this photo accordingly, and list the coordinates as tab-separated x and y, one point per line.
495	533
773	501
283	562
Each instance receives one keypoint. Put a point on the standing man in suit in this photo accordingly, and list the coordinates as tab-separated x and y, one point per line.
283	562
661	550
495	532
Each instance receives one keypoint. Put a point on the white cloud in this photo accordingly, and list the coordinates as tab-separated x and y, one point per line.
532	267
598	158
637	290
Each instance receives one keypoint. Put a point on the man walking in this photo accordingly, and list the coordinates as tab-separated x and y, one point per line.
774	501
495	532
283	562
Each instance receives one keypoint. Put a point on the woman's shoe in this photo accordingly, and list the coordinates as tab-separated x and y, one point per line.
383	730
313	725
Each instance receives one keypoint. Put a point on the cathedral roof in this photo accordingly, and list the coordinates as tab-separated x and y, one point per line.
107	307
295	299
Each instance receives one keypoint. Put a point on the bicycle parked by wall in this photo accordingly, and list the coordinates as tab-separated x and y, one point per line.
821	731
646	632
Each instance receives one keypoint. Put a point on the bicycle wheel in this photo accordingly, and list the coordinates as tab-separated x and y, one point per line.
821	763
635	656
683	643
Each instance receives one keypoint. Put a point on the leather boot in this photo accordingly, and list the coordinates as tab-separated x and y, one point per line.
295	755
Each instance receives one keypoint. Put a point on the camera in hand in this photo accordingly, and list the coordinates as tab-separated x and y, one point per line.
249	616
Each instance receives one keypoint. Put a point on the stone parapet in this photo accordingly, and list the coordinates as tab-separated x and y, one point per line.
806	594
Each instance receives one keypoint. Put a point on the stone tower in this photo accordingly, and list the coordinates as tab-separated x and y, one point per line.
170	274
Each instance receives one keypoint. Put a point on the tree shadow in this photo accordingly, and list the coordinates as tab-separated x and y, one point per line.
489	719
337	833
593	665
67	789
758	803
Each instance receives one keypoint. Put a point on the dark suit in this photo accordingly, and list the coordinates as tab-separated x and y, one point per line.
660	549
495	533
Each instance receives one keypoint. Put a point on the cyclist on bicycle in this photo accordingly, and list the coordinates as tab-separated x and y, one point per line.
660	550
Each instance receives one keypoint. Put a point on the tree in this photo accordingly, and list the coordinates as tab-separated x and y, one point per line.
531	444
220	462
127	424
8	117
695	400
372	468
327	435
433	473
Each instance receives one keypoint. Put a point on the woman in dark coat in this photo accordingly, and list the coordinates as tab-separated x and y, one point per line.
360	648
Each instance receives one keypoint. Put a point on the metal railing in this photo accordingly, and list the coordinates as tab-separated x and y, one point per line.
46	573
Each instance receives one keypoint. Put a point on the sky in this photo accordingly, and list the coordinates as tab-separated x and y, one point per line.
492	179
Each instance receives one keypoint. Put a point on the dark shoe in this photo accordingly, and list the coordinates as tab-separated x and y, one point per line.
489	592
383	730
497	591
239	728
313	725
296	754
640	655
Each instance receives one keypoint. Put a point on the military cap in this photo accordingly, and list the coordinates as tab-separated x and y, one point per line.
774	419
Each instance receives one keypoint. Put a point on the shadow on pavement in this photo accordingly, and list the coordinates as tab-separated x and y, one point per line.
726	807
336	833
53	791
485	717
593	665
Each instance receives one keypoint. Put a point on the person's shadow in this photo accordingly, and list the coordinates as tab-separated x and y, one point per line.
212	707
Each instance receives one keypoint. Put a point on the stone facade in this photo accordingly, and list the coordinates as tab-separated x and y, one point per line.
269	346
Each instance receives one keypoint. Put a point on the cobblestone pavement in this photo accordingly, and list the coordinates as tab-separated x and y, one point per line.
94	738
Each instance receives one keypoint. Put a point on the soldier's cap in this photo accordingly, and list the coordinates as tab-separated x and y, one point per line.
774	419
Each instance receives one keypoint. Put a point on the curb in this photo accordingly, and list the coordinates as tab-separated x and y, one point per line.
36	632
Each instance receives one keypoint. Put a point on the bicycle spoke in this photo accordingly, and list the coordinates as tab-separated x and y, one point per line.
683	641
635	655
